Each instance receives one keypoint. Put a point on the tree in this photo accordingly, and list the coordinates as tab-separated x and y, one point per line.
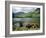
21	24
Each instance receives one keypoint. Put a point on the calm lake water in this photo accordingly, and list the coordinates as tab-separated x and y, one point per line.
22	19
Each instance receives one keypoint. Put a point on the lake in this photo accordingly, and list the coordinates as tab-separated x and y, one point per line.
22	19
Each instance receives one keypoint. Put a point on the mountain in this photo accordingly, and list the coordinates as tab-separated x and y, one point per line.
34	14
16	14
25	15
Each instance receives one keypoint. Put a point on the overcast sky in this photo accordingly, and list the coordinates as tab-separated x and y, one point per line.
22	9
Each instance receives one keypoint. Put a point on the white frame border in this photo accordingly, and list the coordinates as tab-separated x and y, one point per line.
23	32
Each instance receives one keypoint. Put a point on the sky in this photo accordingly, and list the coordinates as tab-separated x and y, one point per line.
22	9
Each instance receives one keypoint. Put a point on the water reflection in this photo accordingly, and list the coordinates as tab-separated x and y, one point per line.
22	19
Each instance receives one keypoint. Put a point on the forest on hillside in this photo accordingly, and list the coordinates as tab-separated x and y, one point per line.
35	13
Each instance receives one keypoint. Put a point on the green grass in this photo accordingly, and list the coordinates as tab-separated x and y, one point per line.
24	29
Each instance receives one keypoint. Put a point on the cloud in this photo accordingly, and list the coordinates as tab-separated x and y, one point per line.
22	9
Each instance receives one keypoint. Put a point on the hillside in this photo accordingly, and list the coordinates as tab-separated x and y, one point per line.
35	13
